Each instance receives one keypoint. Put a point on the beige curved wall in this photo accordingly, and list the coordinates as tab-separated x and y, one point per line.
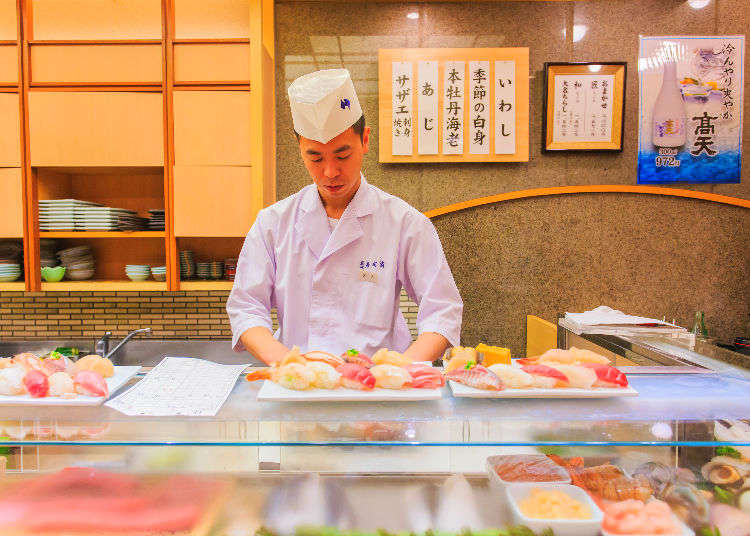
645	254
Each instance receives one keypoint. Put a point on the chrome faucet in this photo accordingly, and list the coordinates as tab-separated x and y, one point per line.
102	345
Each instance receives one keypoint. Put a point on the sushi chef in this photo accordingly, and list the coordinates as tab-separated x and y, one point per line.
333	257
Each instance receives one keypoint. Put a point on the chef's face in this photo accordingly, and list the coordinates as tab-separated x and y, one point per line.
334	166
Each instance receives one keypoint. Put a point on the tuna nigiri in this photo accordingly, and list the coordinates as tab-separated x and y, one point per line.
546	377
36	383
90	383
425	377
357	357
390	377
356	377
477	377
607	376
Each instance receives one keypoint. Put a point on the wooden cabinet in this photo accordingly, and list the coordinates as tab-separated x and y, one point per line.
96	128
212	201
212	128
80	64
10	130
96	19
11	192
8	65
198	19
8	20
211	62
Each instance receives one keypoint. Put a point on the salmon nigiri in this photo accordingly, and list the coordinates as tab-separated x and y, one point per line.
477	377
356	377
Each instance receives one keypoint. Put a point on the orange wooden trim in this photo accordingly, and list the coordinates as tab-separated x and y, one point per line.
68	87
43	42
217	41
102	234
170	242
600	188
205	86
12	42
239	83
154	86
9	88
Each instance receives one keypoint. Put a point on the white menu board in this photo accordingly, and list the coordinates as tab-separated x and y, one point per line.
505	107
479	109
402	128
583	108
427	107
454	82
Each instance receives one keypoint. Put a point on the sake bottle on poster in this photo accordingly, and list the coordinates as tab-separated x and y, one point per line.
670	117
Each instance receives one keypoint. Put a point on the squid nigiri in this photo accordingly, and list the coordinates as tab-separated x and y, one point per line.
356	377
425	377
512	377
36	383
578	376
11	381
607	376
477	377
390	377
90	383
357	357
324	357
546	377
390	357
326	377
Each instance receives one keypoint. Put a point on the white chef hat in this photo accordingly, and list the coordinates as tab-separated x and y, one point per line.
324	104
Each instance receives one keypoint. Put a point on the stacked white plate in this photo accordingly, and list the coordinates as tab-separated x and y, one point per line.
60	214
203	270
9	272
79	262
159	273
106	219
138	272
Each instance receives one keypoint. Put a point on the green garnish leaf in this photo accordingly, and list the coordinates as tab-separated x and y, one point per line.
709	531
728	451
55	355
352	352
723	496
469	365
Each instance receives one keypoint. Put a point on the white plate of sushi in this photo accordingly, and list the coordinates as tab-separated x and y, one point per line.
273	392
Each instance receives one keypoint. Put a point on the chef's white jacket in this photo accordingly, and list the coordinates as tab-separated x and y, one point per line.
339	290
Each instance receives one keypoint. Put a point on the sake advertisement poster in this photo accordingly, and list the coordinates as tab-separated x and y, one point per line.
690	108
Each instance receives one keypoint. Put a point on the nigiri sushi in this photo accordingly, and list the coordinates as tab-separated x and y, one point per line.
390	377
59	363
326	377
578	376
295	376
607	376
90	383
11	381
477	377
574	356
96	363
36	383
425	377
356	377
28	361
390	357
546	377
324	357
61	384
357	357
512	377
461	361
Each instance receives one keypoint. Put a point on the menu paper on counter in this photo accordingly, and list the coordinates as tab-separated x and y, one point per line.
183	386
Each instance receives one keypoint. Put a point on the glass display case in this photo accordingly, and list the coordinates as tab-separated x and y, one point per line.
282	468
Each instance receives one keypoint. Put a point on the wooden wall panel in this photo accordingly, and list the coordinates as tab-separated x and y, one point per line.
96	19
8	20
8	64
96	63
10	131
211	62
96	128
11	193
199	19
212	201
212	128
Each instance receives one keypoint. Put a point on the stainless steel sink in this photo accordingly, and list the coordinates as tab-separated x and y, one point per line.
144	352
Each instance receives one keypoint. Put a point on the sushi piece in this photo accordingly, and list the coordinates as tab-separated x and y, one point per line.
356	377
390	357
293	356
28	361
390	377
546	377
357	357
512	377
61	384
461	361
324	357
11	381
607	376
578	376
425	377
57	363
326	377
477	377
295	376
574	356
90	383
96	363
36	383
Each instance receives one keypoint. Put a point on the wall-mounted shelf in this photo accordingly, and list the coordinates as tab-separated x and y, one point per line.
102	234
206	285
95	285
13	285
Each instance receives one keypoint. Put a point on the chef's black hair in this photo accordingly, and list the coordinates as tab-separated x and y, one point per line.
358	127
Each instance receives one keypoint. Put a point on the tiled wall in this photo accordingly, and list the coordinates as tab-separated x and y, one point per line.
194	315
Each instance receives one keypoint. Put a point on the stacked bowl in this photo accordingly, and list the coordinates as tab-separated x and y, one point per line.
9	272
159	273
138	272
78	261
187	264
217	270
203	270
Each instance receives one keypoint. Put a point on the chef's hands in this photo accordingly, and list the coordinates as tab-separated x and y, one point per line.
429	346
260	342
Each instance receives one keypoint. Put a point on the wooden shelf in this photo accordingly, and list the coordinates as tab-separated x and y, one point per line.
206	285
94	285
13	285
102	234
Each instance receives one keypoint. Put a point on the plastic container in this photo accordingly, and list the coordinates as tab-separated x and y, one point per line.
561	527
540	461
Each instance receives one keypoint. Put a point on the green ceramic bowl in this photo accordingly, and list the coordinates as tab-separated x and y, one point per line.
53	275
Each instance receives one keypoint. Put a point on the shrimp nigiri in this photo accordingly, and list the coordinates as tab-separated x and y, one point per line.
477	377
607	376
546	377
356	377
390	377
357	357
425	377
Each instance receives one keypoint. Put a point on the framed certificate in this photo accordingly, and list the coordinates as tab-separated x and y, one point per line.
584	105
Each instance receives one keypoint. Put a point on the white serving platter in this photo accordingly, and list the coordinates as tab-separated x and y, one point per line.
273	392
464	391
121	377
